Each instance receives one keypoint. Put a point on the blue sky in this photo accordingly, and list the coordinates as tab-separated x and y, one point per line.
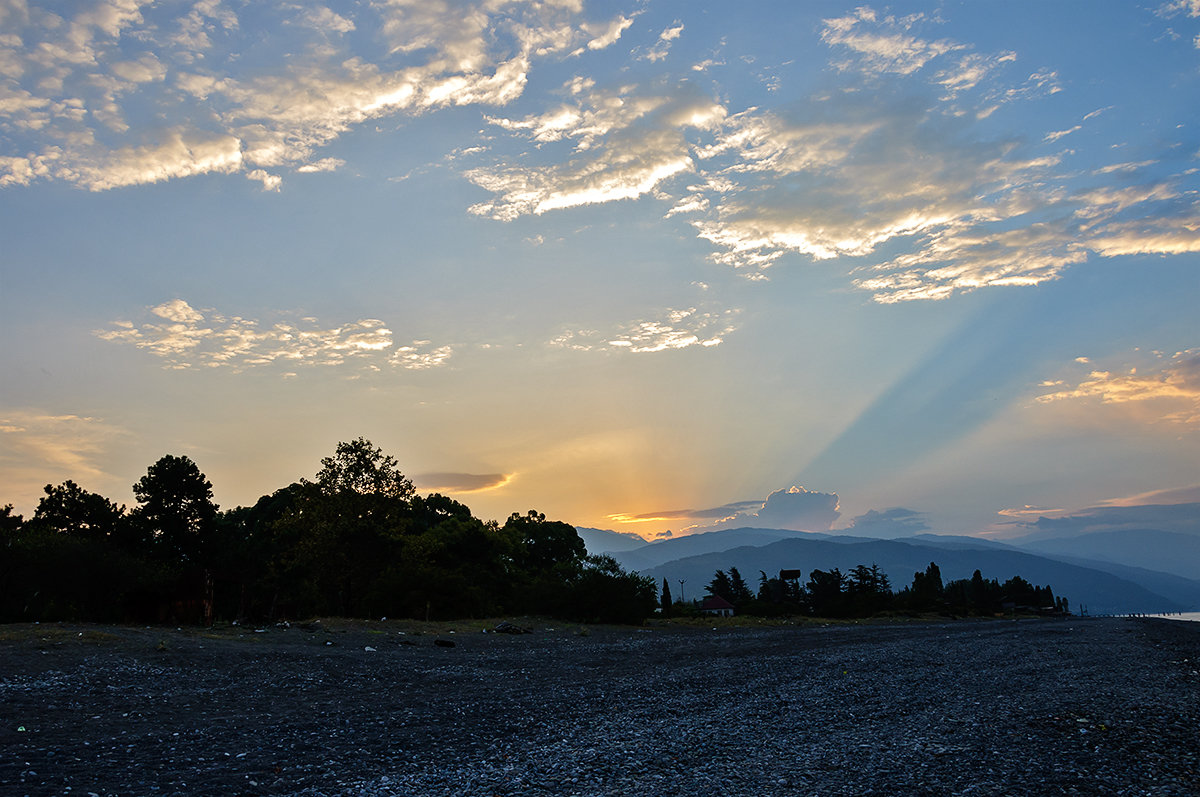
639	265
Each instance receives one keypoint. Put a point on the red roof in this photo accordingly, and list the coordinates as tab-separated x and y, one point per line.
715	602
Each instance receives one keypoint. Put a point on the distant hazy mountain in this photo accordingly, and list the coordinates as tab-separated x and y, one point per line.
656	553
604	541
955	541
1102	592
1172	552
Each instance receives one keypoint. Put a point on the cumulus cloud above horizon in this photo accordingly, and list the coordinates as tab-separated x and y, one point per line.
794	508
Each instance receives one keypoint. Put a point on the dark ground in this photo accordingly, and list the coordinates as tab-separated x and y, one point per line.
1084	706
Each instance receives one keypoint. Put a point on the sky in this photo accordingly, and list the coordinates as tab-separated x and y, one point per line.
647	266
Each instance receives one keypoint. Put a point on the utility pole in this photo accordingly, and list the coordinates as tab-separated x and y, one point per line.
681	597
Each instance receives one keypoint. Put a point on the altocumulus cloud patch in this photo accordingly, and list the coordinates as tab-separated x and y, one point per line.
1168	388
185	337
118	93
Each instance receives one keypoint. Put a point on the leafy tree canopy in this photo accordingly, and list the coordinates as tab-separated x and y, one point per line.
177	510
360	467
69	509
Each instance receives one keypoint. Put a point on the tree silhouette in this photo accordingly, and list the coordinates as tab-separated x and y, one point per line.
177	511
542	544
740	593
362	468
720	586
927	591
826	593
69	509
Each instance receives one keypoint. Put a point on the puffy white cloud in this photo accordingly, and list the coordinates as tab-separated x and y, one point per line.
270	182
185	337
795	508
325	19
799	509
608	34
421	355
322	165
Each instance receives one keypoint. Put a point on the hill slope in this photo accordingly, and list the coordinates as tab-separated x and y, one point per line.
1101	592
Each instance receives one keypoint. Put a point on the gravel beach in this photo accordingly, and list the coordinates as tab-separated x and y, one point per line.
1076	706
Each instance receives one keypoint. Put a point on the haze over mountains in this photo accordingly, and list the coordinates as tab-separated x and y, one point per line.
1112	571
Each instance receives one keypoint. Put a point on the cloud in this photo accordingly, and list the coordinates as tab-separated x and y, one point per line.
799	509
888	524
714	513
185	337
662	47
1190	8
882	46
1170	495
421	356
1169	388
675	329
322	165
608	34
39	448
1057	134
324	19
838	180
270	182
462	482
1179	517
897	160
118	93
625	147
795	508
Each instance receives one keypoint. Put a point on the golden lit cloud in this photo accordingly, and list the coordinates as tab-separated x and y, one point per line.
39	448
1170	388
462	482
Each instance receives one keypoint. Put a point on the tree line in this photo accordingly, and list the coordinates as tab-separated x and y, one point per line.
356	541
866	591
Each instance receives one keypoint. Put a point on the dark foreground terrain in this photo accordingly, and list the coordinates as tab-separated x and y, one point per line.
1089	706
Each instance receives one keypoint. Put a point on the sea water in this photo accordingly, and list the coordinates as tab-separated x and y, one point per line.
1188	616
